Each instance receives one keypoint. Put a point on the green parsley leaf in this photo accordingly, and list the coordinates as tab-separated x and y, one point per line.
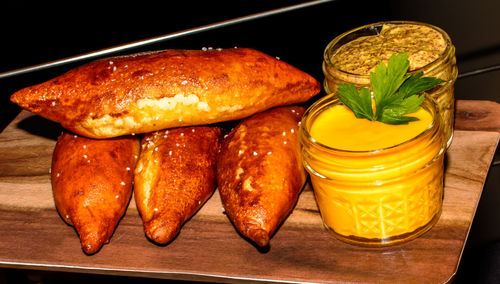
394	92
359	102
394	112
416	84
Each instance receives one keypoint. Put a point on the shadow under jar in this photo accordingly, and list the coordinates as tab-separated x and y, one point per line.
351	56
381	196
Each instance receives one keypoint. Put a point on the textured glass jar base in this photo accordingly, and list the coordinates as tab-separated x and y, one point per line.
384	242
381	215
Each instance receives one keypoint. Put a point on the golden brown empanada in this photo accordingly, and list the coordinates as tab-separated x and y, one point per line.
174	177
260	173
92	183
146	92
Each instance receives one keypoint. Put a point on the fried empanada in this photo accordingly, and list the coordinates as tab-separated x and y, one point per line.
92	183
145	92
260	173
174	177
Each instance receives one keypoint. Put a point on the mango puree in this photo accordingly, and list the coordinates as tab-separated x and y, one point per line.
374	181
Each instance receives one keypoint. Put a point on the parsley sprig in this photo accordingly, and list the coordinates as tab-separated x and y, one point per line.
395	92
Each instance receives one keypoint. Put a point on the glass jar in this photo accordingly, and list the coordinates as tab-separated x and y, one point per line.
376	197
390	37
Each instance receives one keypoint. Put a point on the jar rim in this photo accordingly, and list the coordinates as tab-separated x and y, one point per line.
318	105
442	56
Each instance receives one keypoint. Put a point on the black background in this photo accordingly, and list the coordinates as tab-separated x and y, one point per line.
37	32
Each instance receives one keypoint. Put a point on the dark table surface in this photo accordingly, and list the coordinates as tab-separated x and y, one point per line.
38	32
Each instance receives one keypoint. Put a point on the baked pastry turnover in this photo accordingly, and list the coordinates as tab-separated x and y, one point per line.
92	183
146	92
260	172
174	177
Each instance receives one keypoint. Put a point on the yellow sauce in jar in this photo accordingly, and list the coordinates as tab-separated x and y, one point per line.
338	128
375	184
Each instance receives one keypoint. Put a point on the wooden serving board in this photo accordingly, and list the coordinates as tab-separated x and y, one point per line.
33	235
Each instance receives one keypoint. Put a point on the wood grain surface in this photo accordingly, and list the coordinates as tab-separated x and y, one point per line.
477	115
33	235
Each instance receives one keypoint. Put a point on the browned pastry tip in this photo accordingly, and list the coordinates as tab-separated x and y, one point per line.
260	173
92	183
174	177
259	236
162	231
145	92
